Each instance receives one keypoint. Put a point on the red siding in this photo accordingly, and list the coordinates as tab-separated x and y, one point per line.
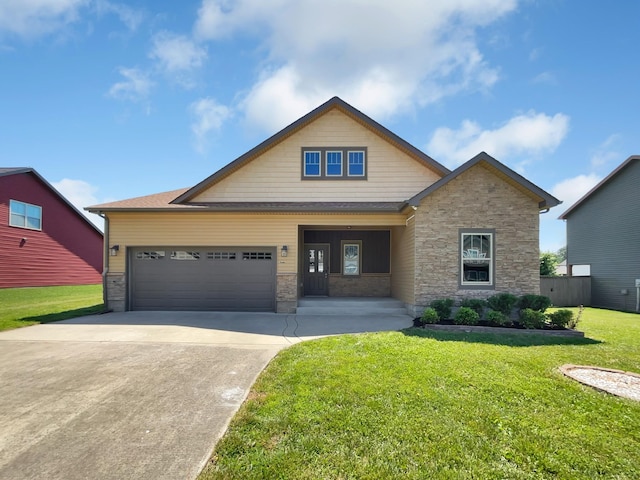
68	251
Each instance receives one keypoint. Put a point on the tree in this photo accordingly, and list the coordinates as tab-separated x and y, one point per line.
548	263
561	254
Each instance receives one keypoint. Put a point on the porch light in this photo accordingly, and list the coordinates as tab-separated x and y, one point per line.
284	251
113	251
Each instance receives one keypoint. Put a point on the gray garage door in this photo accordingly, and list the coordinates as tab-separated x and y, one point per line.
203	278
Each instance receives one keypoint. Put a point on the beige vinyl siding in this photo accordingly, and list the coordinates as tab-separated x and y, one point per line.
156	229
403	262
392	175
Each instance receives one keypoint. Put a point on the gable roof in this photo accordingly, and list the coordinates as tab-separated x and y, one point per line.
602	183
546	200
333	103
8	171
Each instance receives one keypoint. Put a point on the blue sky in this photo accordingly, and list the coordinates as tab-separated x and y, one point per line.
115	99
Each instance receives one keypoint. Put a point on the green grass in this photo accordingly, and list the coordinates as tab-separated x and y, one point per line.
419	404
20	307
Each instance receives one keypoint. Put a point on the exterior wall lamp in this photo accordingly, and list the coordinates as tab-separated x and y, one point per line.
113	251
284	251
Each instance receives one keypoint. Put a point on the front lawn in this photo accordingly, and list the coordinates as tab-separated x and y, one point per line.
20	307
420	404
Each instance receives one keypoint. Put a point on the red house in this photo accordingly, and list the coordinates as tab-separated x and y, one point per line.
44	239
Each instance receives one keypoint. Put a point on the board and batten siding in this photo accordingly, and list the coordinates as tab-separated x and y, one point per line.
604	232
392	175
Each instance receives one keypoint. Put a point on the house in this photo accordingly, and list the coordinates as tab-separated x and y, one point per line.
333	205
44	239
603	237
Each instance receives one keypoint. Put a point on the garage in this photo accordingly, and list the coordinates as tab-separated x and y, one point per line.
202	278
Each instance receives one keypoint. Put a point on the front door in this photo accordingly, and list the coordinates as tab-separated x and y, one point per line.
316	269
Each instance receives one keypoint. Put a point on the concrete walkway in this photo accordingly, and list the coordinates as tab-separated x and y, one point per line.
138	394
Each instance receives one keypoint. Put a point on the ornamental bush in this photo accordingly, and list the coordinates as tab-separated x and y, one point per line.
532	318
475	304
502	302
443	307
498	318
466	316
429	316
534	302
562	319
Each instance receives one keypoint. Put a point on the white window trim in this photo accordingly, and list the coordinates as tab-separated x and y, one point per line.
326	163
490	283
11	202
364	160
319	153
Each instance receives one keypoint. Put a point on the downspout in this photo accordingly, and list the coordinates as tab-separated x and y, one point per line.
105	260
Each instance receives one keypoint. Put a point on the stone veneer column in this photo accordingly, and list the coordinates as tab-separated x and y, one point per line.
116	292
286	292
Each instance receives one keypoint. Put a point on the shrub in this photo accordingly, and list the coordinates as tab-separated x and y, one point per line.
498	318
502	302
561	319
466	316
532	318
475	304
429	315
443	307
534	302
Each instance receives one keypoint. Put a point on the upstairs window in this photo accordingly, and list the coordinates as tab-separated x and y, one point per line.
25	215
312	164
334	163
476	259
356	164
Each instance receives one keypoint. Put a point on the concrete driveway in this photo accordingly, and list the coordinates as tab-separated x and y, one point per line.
142	395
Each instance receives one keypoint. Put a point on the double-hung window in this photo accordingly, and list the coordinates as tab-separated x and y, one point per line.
477	262
334	163
312	164
25	215
356	163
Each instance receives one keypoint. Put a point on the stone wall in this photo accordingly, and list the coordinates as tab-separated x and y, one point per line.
479	198
366	285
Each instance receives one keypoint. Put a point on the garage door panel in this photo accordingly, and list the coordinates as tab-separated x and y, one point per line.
203	278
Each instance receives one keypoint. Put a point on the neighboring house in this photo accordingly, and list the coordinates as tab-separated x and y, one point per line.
561	268
603	232
44	239
333	205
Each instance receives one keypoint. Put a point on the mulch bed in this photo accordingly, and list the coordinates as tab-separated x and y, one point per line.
483	327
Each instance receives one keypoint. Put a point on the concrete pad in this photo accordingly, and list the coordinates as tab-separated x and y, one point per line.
137	394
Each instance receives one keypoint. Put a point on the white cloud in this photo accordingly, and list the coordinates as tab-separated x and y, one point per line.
605	153
209	116
573	189
131	17
545	78
381	56
135	87
81	194
529	134
177	55
34	18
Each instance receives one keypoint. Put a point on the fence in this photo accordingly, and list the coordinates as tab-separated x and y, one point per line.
567	291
